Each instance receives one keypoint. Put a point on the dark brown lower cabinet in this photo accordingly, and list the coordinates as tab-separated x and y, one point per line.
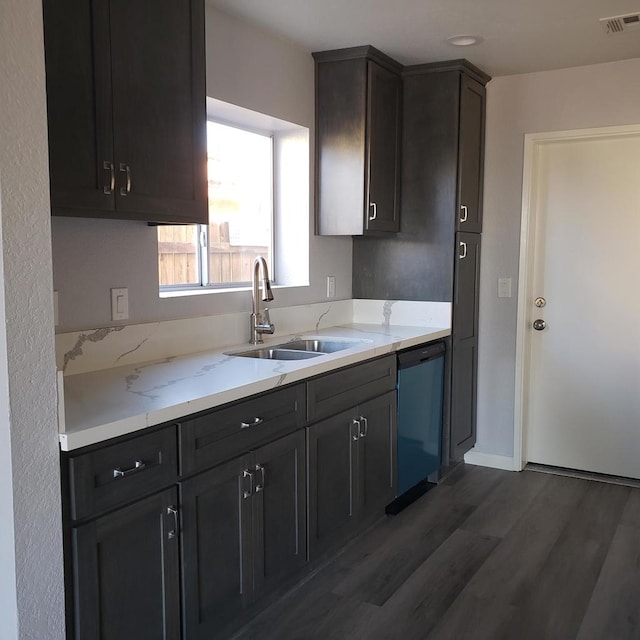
352	473
244	533
464	349
464	364
127	572
227	528
378	455
280	510
332	485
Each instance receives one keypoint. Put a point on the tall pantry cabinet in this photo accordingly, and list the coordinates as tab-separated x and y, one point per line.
436	254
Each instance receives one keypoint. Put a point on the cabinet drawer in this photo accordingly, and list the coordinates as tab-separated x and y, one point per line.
220	435
119	473
338	391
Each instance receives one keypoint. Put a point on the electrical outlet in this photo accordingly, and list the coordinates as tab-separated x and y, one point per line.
120	304
331	286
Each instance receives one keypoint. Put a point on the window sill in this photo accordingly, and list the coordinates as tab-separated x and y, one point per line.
200	291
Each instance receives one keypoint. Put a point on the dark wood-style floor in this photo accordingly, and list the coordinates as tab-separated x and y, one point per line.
488	554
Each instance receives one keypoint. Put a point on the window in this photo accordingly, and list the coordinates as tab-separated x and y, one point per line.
258	170
240	168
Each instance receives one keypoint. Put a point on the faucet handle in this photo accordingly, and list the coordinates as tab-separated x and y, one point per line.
266	322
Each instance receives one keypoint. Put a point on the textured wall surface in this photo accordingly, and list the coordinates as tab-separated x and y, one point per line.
246	67
582	97
31	432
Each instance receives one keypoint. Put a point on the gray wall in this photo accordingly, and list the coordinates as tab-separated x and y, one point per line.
31	576
247	67
582	97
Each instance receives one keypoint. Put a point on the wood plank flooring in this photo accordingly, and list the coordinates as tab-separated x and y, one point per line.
487	555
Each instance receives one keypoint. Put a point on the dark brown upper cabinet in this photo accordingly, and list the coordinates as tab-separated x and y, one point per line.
127	109
358	113
470	155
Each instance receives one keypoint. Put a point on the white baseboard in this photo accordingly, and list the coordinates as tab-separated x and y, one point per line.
492	460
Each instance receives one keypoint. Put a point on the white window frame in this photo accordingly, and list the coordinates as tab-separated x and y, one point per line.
202	230
291	226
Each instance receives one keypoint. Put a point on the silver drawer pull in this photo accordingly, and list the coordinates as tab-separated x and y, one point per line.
464	215
463	250
120	473
260	485
173	511
126	169
109	189
254	423
247	494
364	426
355	423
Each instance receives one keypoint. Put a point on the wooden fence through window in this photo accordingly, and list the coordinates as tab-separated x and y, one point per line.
178	262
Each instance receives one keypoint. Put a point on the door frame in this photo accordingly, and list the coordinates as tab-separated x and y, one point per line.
532	144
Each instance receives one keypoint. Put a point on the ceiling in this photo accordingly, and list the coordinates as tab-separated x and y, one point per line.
519	36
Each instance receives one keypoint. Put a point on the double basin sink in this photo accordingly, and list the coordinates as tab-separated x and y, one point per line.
300	349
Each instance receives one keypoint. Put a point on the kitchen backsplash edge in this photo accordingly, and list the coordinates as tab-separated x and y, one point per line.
109	347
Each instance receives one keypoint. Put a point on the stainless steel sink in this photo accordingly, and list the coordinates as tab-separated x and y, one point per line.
320	345
299	349
275	353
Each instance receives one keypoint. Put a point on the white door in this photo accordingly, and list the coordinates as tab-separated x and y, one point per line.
583	404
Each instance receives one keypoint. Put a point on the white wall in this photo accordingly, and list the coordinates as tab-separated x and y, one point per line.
247	67
31	574
581	97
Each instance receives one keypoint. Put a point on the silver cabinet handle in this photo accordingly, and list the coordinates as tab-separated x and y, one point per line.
463	250
374	215
355	423
109	189
260	485
364	426
140	465
126	169
173	533
464	213
247	474
254	423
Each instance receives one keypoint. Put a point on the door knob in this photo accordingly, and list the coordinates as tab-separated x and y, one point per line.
539	325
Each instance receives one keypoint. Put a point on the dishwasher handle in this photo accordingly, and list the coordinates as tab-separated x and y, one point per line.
422	354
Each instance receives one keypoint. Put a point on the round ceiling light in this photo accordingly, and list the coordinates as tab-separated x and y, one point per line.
464	41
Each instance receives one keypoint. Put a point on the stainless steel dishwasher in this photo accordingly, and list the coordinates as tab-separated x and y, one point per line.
420	402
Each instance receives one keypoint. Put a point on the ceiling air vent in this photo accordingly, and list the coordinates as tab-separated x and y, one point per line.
618	24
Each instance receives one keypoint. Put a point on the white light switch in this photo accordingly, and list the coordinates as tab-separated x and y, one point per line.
120	304
331	286
504	287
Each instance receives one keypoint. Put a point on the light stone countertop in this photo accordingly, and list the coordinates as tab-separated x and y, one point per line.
112	402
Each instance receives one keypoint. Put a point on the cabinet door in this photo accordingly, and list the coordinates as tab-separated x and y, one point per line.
79	105
470	155
464	344
383	139
340	146
279	532
464	364
126	576
377	454
216	554
466	286
332	487
159	109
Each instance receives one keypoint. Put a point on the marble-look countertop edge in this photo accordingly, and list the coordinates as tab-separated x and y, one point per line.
78	436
